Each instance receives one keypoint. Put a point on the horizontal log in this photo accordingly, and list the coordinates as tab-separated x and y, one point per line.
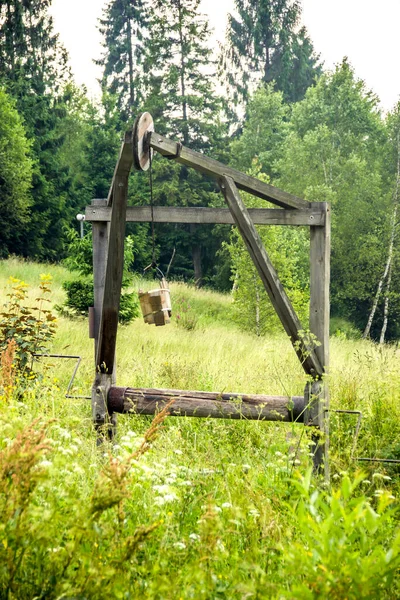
182	214
149	401
213	168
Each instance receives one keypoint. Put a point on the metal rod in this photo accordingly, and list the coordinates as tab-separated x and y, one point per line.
71	381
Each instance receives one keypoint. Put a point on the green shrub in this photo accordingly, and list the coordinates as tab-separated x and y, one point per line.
31	327
80	297
80	294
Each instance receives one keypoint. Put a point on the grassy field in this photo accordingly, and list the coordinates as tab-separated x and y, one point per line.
213	509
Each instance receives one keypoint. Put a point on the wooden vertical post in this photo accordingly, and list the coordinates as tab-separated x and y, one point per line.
112	265
318	392
100	242
100	234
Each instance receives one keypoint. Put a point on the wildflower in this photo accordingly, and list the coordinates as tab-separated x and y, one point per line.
194	537
180	545
246	468
226	505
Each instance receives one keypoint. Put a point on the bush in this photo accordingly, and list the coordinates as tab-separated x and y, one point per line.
80	297
80	294
30	327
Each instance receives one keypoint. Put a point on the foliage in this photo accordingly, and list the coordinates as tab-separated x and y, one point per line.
334	154
122	28
346	548
32	328
15	176
214	507
34	71
80	294
287	250
264	43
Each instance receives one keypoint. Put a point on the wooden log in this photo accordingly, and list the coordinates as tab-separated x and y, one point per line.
202	215
318	393
279	299
148	401
215	169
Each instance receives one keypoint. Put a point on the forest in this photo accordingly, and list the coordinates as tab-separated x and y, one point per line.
262	103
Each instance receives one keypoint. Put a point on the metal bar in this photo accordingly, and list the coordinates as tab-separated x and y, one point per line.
71	381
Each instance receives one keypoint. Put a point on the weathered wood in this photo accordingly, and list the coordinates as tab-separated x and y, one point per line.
215	169
100	244
114	267
148	401
203	215
269	277
316	411
124	164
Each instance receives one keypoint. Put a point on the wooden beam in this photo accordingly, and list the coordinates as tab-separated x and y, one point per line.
185	214
215	169
148	401
124	164
115	263
100	245
318	392
279	299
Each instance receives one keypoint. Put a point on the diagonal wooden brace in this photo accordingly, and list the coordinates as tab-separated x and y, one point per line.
269	277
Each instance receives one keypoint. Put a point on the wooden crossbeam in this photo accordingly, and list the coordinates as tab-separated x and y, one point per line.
279	299
149	401
215	169
202	215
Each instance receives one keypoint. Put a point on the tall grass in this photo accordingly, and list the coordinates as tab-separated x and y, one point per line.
213	509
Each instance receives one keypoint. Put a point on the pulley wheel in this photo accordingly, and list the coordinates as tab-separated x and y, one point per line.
141	148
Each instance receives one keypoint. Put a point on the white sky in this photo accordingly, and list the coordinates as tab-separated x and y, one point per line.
364	30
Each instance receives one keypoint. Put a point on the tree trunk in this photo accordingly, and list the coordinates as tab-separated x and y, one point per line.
390	255
182	78
130	59
386	307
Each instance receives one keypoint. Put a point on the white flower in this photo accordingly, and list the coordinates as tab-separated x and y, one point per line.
220	546
254	512
226	505
194	536
45	463
185	483
217	509
180	545
178	451
246	468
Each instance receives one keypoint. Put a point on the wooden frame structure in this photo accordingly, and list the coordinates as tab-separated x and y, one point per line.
108	218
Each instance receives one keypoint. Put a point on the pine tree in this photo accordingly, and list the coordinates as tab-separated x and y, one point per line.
263	44
34	70
15	177
180	86
123	28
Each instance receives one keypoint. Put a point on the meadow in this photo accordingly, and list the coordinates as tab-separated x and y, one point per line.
196	508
